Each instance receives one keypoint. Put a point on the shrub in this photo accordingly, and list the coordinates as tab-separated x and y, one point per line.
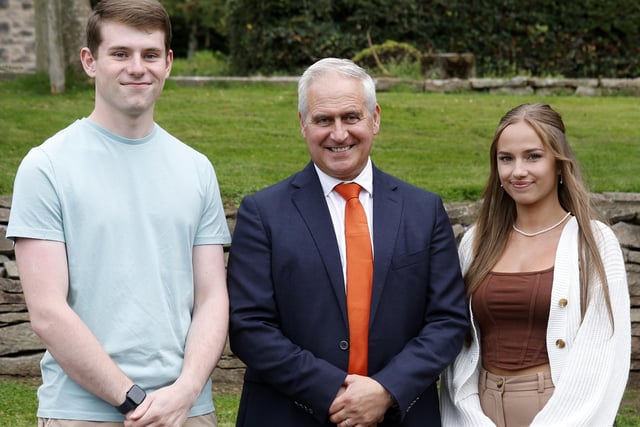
590	38
204	63
390	59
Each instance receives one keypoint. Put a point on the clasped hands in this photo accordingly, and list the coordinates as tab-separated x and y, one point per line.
360	402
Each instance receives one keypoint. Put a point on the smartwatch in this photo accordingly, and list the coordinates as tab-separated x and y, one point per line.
135	396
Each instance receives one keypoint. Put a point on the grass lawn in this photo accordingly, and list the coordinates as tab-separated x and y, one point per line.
19	406
251	133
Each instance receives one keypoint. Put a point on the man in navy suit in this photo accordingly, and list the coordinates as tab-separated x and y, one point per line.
287	274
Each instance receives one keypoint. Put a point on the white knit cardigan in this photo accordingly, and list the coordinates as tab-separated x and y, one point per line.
589	362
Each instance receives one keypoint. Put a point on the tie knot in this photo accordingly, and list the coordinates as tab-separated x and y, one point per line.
348	191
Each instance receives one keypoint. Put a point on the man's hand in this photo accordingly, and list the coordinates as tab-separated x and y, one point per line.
360	402
165	407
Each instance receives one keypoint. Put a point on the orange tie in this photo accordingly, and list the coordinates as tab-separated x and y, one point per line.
359	277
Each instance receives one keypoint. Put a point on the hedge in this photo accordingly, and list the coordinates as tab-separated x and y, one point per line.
590	38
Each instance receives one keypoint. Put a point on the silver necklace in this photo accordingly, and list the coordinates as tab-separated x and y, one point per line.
536	233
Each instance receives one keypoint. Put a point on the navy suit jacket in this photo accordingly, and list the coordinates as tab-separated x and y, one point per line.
288	317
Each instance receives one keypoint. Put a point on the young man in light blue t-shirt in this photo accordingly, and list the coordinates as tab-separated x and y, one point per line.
118	230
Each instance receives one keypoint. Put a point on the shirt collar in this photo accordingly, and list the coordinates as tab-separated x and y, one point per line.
364	179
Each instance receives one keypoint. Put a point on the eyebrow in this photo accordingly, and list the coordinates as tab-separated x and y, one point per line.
146	49
349	112
528	151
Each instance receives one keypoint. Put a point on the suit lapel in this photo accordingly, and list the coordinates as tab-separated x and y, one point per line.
387	210
308	197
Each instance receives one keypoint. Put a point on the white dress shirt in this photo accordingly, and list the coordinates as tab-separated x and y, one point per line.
336	204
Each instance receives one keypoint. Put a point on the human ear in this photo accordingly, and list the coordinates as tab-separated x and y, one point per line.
88	62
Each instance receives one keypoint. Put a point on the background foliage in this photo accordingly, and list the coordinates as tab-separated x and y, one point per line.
590	38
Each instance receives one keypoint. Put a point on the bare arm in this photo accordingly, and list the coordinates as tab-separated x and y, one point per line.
208	333
45	282
205	342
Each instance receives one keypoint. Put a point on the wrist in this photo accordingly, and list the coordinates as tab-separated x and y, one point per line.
190	388
133	398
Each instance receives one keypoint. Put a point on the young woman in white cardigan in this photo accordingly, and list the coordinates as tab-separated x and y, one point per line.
550	340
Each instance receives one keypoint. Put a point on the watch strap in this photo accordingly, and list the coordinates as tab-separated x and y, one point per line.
133	399
127	406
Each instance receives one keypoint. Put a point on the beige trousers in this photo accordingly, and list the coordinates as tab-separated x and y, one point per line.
513	401
207	420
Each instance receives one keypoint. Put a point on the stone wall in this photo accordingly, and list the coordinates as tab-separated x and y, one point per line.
21	350
17	36
519	85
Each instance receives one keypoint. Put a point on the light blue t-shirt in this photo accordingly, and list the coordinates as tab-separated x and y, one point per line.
129	212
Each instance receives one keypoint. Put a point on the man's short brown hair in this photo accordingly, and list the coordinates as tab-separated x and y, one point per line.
148	15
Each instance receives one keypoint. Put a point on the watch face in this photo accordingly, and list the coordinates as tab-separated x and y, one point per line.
136	395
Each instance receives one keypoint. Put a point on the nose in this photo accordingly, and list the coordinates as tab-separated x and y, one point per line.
339	132
519	169
135	65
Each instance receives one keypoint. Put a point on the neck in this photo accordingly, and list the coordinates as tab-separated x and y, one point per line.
127	126
535	217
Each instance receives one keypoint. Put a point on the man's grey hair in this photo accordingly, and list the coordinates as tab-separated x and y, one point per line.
342	66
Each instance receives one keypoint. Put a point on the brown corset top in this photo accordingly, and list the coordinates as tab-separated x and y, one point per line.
512	311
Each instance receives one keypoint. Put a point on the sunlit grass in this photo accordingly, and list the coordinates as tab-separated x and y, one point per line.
19	406
251	134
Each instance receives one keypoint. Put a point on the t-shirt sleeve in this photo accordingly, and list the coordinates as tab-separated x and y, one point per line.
35	208
213	228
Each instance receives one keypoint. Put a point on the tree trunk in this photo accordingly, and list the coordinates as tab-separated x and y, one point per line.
56	49
75	14
60	34
42	31
193	40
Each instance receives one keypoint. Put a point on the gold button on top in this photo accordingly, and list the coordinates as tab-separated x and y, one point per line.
563	302
560	343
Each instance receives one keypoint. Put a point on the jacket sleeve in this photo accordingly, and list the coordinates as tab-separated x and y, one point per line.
256	330
592	378
460	403
444	321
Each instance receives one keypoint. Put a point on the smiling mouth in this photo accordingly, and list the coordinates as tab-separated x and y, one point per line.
340	149
136	84
520	184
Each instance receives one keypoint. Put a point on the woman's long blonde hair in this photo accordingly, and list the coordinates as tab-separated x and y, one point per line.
498	210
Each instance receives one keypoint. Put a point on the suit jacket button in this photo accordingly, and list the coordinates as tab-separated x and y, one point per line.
344	345
563	302
560	343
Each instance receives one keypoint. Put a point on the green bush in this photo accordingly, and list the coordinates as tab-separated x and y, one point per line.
391	59
204	63
591	38
285	36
